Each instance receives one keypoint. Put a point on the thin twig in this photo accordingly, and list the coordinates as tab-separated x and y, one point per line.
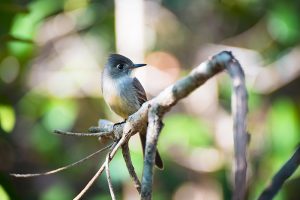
61	168
99	172
281	176
80	134
110	186
90	183
130	167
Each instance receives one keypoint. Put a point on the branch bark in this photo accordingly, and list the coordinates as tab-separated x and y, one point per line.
132	173
281	176
153	131
239	112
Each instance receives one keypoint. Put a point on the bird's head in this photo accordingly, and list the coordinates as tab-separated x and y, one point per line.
118	65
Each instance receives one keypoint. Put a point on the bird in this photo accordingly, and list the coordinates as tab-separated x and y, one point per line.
123	93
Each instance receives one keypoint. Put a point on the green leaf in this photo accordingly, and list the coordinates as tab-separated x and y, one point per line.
7	118
25	25
3	194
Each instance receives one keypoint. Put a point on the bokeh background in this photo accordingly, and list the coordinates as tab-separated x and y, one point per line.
51	56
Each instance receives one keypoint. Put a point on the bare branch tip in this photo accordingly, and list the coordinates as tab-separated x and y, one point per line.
111	189
94	129
61	168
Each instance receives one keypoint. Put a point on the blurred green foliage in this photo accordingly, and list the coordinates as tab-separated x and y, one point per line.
3	194
175	132
7	117
27	117
59	191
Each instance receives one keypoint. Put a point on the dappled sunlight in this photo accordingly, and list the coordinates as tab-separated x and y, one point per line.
66	65
199	159
280	73
206	189
162	67
224	132
206	99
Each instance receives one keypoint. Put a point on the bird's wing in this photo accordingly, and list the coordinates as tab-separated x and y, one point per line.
142	98
141	94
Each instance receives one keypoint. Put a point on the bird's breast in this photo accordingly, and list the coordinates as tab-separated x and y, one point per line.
119	96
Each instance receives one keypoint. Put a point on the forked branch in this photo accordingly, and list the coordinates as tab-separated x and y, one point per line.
170	96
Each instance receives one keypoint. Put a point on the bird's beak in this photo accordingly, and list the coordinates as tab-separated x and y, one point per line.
138	65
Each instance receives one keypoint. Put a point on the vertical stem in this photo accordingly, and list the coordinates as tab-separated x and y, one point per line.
153	131
239	112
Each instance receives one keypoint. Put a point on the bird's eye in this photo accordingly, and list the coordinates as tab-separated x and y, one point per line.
120	66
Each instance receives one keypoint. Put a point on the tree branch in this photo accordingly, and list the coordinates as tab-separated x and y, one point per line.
153	131
61	168
90	183
170	96
239	102
281	176
125	137
99	134
132	173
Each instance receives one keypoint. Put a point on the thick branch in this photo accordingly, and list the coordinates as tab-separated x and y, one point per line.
154	128
167	98
281	176
239	108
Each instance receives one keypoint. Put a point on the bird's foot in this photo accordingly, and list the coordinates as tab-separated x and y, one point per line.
115	126
119	123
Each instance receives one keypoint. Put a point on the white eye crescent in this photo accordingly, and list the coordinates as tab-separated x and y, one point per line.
120	66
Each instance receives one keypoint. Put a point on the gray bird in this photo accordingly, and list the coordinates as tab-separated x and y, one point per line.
124	94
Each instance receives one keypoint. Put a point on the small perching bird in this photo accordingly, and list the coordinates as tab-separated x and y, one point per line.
123	93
